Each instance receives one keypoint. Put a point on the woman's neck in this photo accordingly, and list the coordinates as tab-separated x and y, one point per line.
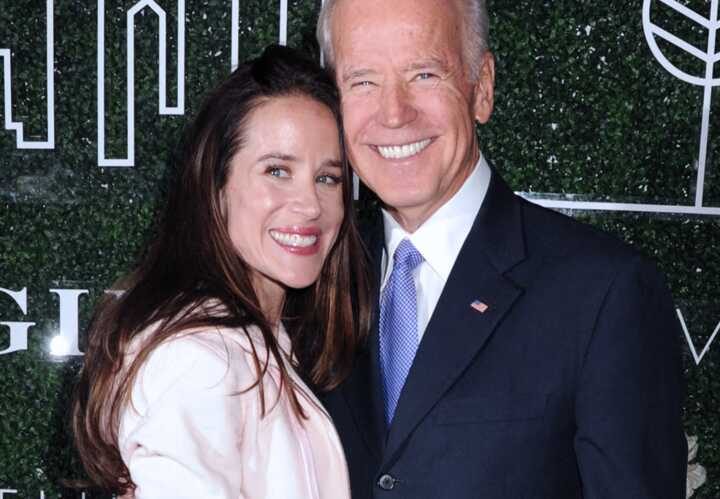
271	296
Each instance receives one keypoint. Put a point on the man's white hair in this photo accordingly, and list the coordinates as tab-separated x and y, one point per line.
475	43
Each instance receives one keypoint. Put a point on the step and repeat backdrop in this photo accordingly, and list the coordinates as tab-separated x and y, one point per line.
608	111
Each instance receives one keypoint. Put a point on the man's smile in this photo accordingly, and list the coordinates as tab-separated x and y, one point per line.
402	151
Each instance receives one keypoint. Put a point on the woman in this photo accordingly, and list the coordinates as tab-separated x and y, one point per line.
193	380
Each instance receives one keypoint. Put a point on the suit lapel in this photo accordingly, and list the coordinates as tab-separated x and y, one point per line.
362	390
457	332
362	393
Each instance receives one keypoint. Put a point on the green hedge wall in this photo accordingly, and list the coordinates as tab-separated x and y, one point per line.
583	108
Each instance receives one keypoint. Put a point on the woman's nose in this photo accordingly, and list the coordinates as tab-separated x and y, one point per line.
307	201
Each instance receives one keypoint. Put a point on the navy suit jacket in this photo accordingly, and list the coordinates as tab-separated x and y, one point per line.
568	386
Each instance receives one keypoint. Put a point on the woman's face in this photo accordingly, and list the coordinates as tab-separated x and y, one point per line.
283	196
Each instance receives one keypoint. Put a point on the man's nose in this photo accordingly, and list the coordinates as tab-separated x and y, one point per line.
396	107
307	201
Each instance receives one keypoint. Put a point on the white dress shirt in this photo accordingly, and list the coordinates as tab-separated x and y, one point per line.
438	240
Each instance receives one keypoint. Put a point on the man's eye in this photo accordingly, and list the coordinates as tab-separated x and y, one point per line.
329	179
359	84
425	76
277	171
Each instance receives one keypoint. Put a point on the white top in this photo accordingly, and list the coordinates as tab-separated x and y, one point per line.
438	240
195	431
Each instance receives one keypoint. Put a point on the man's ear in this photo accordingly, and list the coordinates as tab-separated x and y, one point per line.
485	89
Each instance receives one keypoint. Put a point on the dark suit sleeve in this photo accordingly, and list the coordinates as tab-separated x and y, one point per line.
630	442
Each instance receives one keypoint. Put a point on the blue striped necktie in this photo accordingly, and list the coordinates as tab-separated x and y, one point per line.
398	325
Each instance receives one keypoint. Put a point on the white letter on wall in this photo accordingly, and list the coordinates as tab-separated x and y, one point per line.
164	109
66	342
18	330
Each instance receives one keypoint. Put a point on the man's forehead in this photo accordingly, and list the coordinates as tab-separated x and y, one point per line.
357	17
409	39
365	7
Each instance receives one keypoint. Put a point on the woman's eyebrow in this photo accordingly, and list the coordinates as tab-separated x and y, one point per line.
332	163
277	156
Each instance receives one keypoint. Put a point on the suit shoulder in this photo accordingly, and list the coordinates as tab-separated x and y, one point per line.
557	235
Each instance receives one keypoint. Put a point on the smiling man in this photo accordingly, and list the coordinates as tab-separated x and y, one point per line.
516	353
409	103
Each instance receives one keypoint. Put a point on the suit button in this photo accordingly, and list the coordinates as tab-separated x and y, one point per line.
386	482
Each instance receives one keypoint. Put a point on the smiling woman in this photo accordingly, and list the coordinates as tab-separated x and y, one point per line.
193	383
284	195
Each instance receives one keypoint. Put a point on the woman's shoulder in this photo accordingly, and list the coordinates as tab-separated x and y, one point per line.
198	359
212	342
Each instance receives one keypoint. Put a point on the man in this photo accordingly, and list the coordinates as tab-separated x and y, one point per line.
516	353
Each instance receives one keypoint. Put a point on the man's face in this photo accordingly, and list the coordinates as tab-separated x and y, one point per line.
408	103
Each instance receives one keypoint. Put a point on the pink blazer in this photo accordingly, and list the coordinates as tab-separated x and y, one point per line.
191	431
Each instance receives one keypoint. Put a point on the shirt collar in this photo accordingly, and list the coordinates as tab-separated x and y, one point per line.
453	221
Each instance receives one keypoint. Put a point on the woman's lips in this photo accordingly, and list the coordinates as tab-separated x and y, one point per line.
299	241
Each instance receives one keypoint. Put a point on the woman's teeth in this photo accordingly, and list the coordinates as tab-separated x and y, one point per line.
295	240
403	151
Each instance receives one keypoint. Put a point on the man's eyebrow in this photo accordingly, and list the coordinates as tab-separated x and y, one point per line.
356	73
432	62
278	156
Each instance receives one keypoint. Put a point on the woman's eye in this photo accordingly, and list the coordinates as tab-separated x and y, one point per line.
329	179
277	171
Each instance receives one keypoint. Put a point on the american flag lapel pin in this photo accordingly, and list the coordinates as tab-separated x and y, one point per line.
480	306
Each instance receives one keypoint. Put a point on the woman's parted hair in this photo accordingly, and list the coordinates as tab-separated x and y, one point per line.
192	263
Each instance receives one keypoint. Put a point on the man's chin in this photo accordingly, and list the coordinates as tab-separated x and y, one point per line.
403	202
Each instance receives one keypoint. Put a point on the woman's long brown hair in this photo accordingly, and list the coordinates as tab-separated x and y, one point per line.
192	264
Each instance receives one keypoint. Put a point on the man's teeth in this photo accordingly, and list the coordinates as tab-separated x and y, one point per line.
404	151
295	240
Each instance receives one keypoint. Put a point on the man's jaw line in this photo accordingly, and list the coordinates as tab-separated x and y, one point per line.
410	219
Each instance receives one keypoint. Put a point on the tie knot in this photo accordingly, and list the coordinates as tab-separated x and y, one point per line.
407	255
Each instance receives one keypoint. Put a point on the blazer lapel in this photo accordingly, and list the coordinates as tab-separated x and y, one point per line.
457	331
